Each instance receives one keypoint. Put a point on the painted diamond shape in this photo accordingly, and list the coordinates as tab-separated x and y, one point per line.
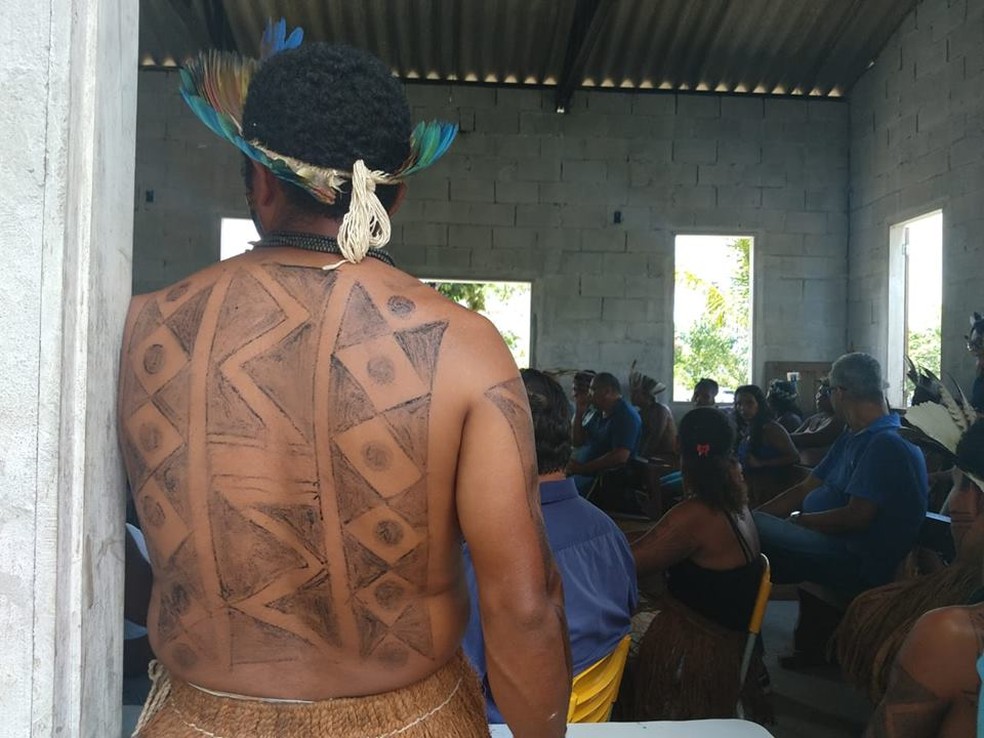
375	454
385	533
153	435
387	597
383	370
157	359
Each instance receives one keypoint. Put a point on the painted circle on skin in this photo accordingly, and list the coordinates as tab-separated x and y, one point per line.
389	532
389	595
153	359
150	437
377	456
400	306
381	370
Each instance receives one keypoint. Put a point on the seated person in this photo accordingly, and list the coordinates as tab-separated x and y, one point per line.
823	427
877	621
591	552
782	398
935	685
849	524
765	451
705	393
611	439
975	345
582	411
658	439
708	547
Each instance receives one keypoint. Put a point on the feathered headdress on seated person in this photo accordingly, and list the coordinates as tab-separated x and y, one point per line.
782	390
975	339
944	422
643	383
215	85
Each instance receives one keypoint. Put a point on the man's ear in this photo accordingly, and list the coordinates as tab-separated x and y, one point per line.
401	194
265	185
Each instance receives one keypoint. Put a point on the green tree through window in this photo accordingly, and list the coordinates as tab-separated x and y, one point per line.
717	343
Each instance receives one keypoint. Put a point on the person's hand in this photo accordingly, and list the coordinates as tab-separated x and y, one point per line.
581	402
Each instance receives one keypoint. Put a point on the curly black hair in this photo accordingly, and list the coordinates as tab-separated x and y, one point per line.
707	438
551	420
329	105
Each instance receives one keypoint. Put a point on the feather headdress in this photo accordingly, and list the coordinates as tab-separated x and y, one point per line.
944	421
215	85
645	384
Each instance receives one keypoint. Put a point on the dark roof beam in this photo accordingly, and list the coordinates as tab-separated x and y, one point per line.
219	27
589	18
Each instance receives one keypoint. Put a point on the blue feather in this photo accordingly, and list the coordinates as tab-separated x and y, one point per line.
275	39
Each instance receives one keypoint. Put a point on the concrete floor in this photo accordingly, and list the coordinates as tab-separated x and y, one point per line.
816	703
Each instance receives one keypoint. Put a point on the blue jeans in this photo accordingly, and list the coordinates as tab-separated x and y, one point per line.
798	554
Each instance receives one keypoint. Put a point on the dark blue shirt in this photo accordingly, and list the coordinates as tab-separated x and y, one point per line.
599	579
621	428
876	464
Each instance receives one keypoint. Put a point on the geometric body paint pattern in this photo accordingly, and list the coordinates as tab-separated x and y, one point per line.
243	574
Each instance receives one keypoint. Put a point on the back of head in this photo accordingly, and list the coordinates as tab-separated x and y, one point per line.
706	438
782	396
708	384
582	380
551	420
329	105
859	376
605	380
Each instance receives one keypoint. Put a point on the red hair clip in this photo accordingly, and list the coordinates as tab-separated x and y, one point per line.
703	449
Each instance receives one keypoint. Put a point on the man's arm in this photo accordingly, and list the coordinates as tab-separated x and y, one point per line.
856	515
578	434
934	668
791	500
776	436
615	457
519	589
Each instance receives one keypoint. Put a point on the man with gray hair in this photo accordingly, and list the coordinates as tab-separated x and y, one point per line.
850	523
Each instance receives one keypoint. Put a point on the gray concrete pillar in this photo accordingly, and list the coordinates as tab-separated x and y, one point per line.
68	75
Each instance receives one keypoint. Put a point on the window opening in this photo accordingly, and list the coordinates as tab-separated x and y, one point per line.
712	313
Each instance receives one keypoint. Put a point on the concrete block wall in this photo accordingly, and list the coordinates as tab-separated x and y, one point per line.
527	194
917	144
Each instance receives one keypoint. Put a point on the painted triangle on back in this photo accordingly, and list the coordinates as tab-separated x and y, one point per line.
248	556
173	399
361	319
353	493
413	566
409	423
412	503
304	520
414	629
312	604
255	641
349	404
310	287
363	566
277	370
248	311
371	629
187	319
422	346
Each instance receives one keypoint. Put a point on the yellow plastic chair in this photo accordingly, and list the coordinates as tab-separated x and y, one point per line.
755	627
594	690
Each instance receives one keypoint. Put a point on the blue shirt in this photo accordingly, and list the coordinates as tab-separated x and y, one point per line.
876	464
599	579
621	428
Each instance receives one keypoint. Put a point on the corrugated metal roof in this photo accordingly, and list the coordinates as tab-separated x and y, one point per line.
780	47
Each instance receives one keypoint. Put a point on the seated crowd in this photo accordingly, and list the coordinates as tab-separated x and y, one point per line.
847	524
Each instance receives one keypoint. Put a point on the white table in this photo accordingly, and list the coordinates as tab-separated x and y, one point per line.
659	729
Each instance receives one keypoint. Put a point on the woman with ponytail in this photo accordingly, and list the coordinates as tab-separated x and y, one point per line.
707	547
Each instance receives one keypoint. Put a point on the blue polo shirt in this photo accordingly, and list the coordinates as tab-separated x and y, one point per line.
877	464
621	428
599	579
